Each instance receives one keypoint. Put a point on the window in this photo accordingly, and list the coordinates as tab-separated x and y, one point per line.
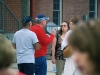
56	12
93	9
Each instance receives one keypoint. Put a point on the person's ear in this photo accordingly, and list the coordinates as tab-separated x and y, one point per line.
42	22
30	23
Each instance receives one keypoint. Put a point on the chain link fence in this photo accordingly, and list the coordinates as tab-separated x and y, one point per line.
9	24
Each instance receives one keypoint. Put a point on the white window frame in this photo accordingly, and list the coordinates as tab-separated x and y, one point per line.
96	6
60	12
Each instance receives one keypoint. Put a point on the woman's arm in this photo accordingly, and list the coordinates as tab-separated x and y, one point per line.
14	45
53	50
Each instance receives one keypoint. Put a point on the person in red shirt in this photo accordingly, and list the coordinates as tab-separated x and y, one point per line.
40	55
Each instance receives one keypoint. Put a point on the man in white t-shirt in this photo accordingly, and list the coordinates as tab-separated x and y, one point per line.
25	42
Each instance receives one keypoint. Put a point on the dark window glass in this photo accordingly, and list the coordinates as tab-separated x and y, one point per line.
92	1
92	7
56	11
56	5
56	17
57	1
92	14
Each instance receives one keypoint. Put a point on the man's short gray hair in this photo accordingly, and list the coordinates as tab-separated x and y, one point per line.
38	21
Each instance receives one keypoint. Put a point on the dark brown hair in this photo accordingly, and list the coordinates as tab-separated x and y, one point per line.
60	31
86	37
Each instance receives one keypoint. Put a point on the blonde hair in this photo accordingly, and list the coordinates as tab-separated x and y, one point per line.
6	52
75	20
86	38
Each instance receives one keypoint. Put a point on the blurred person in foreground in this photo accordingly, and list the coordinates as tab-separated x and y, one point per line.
85	43
56	48
7	54
69	68
25	42
40	55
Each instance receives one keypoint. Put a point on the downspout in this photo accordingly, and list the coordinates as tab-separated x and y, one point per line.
31	8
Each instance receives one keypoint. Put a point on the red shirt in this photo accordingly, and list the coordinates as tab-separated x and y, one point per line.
19	73
43	40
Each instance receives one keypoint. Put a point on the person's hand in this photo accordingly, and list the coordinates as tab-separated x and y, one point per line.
48	35
53	60
53	32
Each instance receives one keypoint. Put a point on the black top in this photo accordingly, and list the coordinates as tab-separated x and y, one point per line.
58	51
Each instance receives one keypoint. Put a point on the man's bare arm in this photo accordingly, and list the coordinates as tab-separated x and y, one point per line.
36	46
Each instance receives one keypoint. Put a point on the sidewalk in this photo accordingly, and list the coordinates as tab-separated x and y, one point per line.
49	67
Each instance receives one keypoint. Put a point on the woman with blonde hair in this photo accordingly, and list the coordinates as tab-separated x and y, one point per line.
85	43
7	54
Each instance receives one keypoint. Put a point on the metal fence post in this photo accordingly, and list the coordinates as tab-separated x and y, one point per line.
2	18
18	25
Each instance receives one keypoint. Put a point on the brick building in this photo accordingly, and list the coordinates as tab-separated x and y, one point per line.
57	10
11	11
60	10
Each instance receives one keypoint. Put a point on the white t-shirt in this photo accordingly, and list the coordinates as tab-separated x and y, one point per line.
65	40
24	40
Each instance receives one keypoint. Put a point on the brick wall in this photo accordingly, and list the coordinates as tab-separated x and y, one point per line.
98	9
70	8
45	7
75	8
35	8
14	6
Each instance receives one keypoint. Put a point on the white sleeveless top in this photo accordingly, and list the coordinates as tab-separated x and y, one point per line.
65	40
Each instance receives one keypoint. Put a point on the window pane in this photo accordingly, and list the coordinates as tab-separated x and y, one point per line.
56	6
57	1
92	1
92	14
92	7
54	20
54	14
56	11
56	17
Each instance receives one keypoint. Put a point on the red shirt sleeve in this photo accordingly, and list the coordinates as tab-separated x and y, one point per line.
19	73
44	39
